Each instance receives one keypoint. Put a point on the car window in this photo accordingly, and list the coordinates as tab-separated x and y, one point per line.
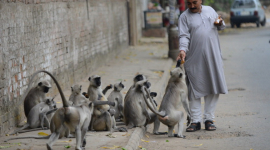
243	4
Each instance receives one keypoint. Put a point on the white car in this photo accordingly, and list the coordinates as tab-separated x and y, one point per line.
247	11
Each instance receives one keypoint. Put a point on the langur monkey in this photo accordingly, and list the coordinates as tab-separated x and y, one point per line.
76	97
175	94
138	77
38	114
135	109
35	95
116	96
103	116
75	118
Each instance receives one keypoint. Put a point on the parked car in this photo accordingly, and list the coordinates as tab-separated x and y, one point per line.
247	11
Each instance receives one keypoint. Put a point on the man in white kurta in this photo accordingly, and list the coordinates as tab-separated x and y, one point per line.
199	46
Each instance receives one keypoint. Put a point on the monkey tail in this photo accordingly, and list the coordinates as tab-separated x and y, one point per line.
65	102
28	137
162	113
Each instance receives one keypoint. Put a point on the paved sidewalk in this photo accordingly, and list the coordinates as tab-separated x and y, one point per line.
148	58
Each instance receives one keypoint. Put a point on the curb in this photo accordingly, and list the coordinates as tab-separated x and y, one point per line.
139	132
135	138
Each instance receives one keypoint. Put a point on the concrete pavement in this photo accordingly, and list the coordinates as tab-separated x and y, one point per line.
148	58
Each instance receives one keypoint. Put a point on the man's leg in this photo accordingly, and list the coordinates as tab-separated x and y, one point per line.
196	113
210	103
209	108
195	109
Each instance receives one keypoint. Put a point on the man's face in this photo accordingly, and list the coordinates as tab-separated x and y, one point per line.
194	5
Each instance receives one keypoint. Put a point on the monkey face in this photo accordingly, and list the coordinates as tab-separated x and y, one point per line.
95	80
46	89
118	86
51	102
98	81
44	86
153	94
139	77
147	84
177	73
76	89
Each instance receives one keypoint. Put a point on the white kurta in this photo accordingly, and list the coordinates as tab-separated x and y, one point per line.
199	38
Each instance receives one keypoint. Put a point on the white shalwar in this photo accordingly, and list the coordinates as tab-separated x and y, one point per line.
198	37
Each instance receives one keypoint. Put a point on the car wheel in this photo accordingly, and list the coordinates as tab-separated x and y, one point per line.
258	24
263	22
238	25
232	25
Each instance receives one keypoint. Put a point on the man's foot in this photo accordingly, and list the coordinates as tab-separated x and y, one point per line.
194	127
209	125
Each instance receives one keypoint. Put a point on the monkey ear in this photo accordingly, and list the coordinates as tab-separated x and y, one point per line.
81	87
40	83
47	100
180	75
89	78
170	73
71	89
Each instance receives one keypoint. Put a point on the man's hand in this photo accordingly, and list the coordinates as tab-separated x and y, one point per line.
219	23
181	55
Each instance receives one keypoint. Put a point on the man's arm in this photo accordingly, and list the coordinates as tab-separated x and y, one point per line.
184	37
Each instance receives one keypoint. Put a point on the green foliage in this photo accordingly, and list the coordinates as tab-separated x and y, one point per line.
208	2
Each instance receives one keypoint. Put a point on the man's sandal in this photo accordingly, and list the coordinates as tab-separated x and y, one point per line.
209	125
194	127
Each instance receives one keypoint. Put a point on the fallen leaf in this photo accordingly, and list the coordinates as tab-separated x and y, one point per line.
7	134
67	141
58	102
126	134
2	147
151	53
199	145
144	140
114	147
68	146
42	134
110	135
147	136
167	140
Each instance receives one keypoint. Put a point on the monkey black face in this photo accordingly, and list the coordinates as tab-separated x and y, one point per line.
121	85
147	84
138	77
51	102
98	81
46	89
153	94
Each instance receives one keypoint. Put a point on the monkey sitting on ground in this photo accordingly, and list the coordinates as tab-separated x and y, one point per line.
175	94
76	97
116	96
135	109
38	114
35	95
75	118
138	77
103	117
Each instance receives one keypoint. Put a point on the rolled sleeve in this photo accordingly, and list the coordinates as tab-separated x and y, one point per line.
184	35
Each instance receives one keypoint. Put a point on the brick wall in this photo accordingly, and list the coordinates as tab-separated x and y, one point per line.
60	36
